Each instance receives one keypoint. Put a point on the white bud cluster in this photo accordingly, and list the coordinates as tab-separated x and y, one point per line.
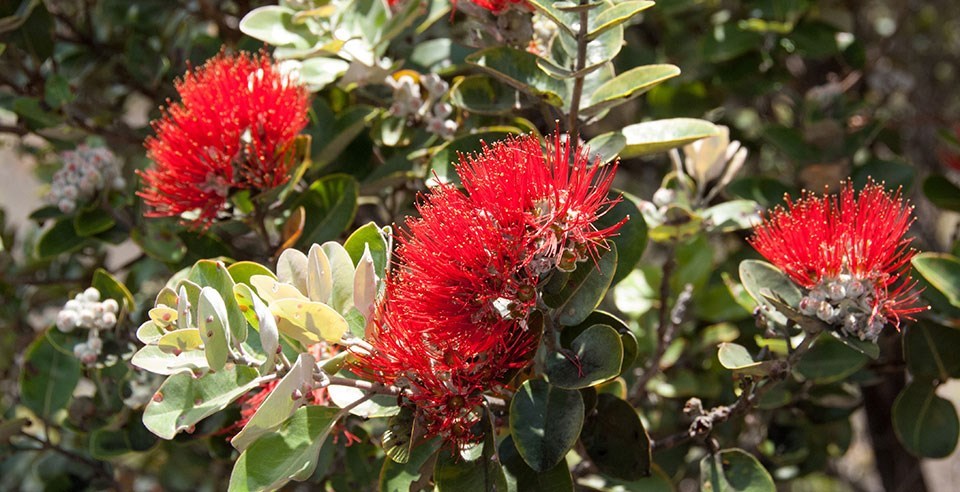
85	171
409	102
86	311
544	30
847	303
88	352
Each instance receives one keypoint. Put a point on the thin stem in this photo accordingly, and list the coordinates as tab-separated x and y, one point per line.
573	124
704	423
97	466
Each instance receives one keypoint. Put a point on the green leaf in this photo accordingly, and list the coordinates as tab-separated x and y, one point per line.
178	341
618	14
61	238
330	205
942	192
183	400
652	137
132	437
759	277
49	374
607	146
519	69
545	422
930	351
161	361
214	330
279	405
631	239
398	477
318	72
738	359
628	85
584	289
56	91
734	470
30	112
454	473
942	271
111	288
161	244
93	221
444	156
733	215
378	406
214	274
483	95
829	360
598	355
289	453
398	438
369	235
521	478
308	322
241	271
926	424
274	25
615	439
342	272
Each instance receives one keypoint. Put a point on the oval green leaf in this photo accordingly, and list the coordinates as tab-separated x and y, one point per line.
545	422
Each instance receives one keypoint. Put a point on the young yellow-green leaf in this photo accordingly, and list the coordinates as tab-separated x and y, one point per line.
651	137
214	331
270	289
365	285
241	271
734	470
289	453
545	422
178	341
309	322
280	404
149	332
183	400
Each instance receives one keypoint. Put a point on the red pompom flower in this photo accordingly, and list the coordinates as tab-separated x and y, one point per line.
850	253
457	319
231	131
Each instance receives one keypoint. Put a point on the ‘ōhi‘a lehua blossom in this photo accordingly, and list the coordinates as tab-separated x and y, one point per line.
456	320
232	130
850	253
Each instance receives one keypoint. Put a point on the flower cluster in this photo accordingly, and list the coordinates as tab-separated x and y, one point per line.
850	253
457	316
232	131
86	171
410	103
87	311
